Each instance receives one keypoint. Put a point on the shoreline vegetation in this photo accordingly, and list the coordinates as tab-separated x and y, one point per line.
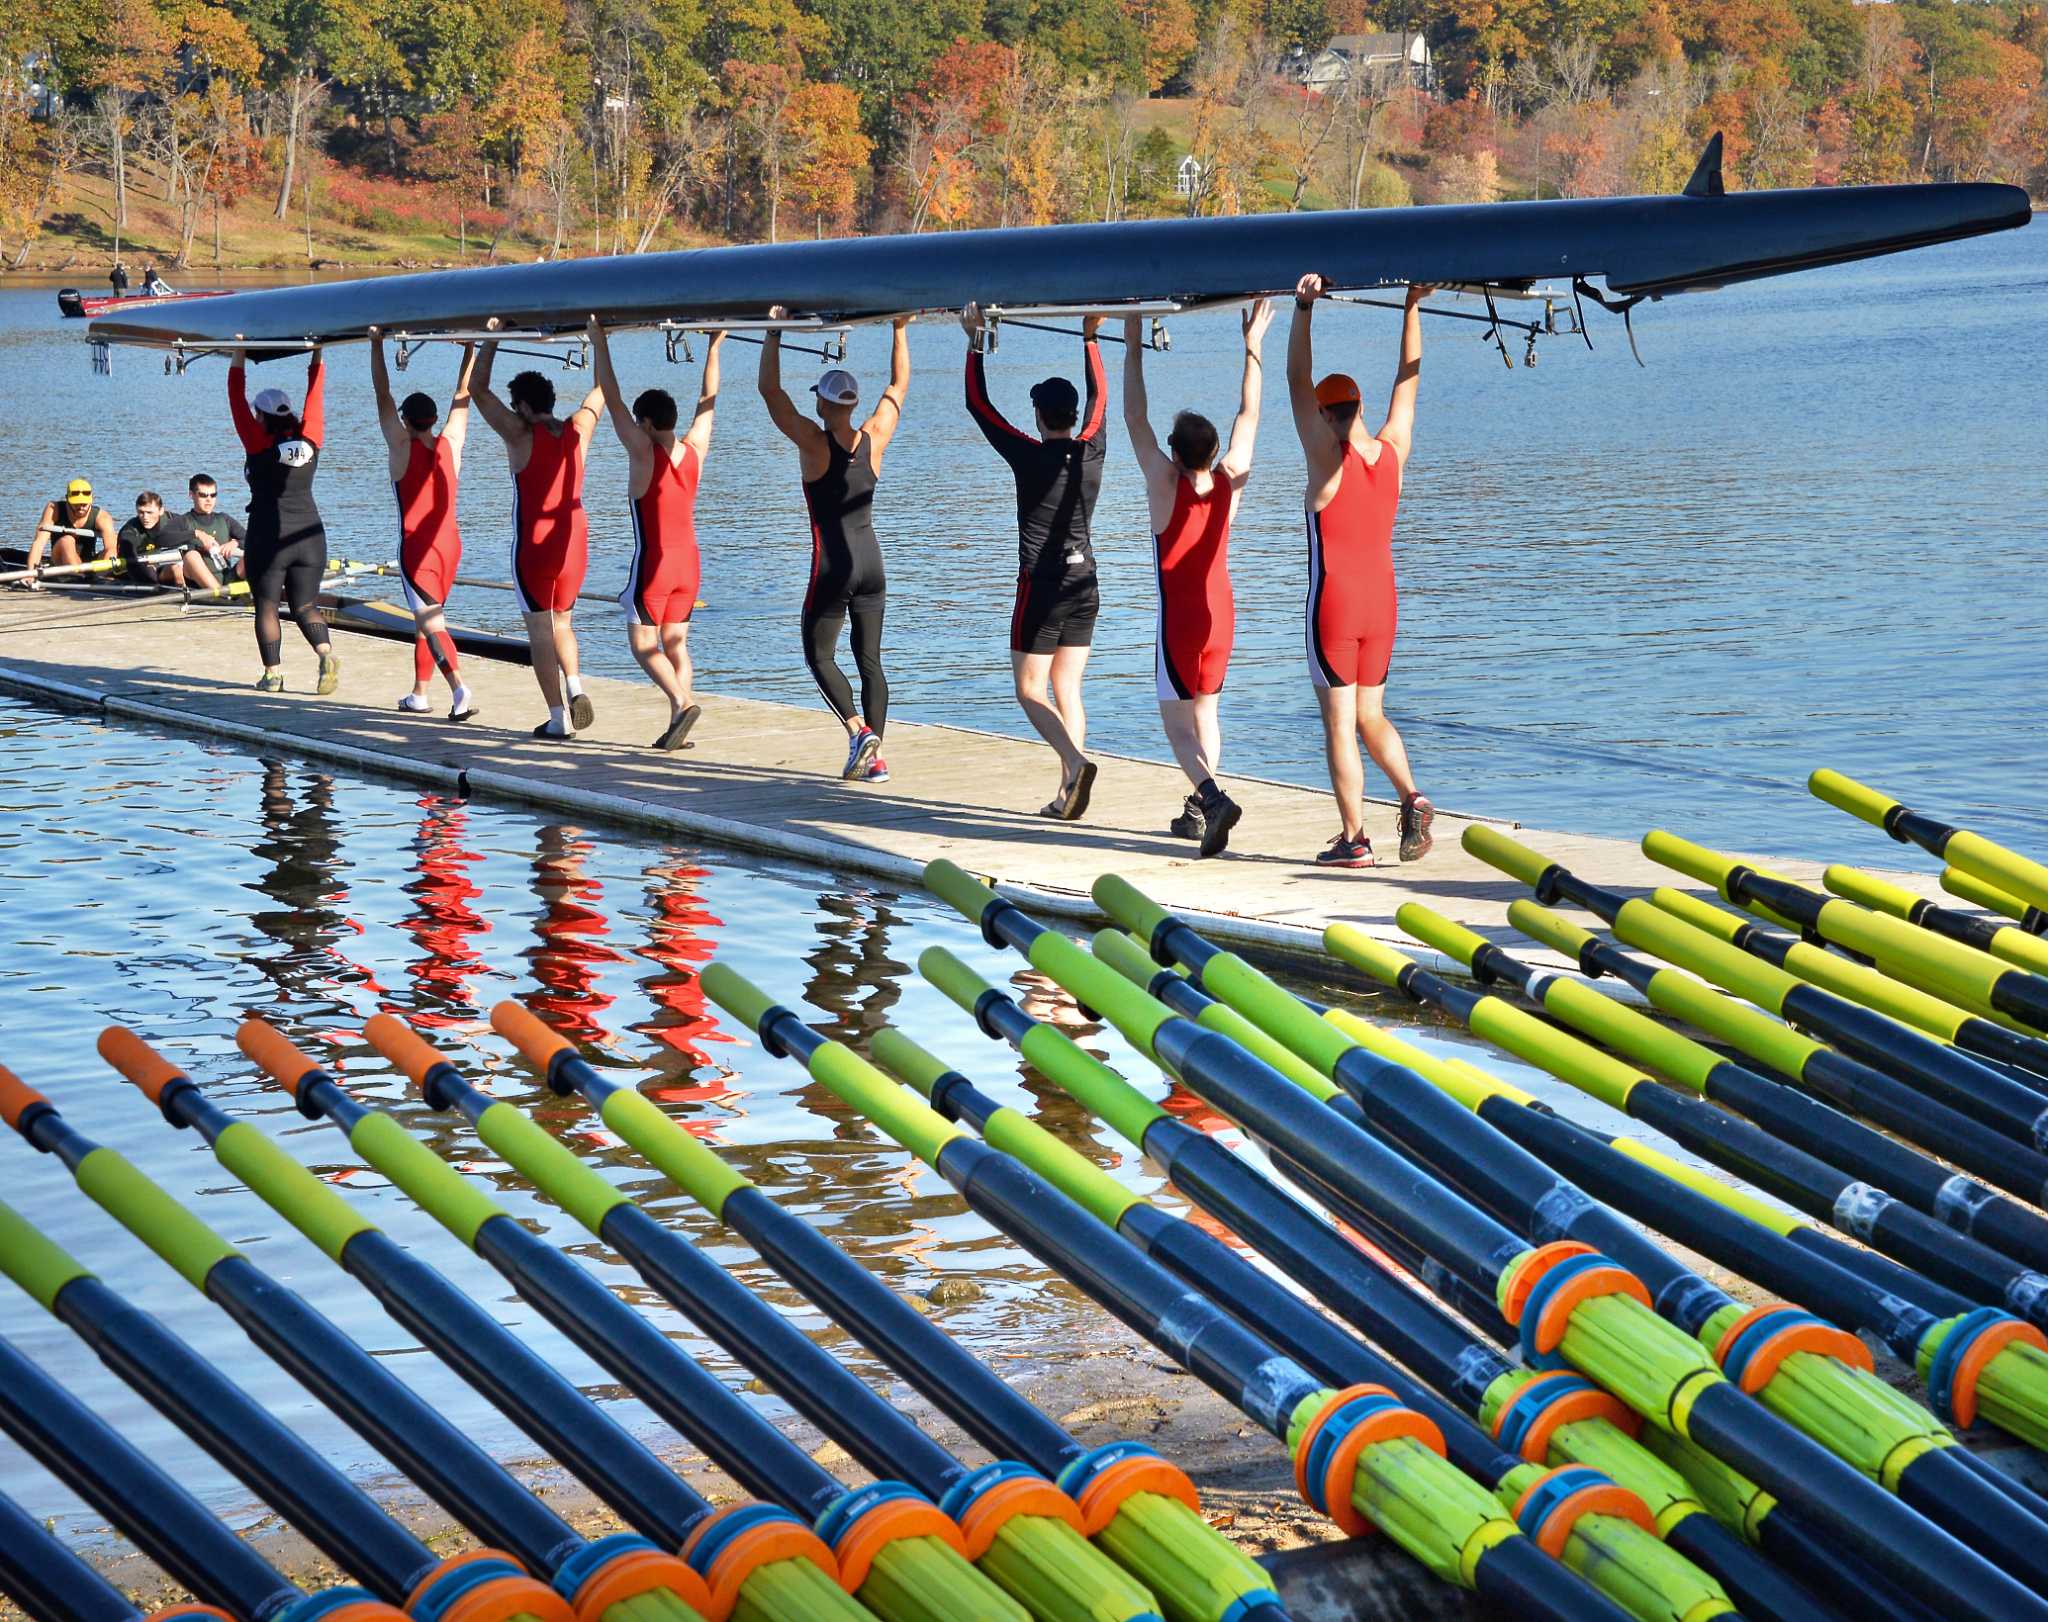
206	135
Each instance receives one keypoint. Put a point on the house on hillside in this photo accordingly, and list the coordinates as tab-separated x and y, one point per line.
1385	57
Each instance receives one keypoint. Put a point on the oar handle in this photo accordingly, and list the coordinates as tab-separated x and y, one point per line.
1868	890
1510	856
275	1054
958	888
903	1058
537	1041
1694	861
736	994
1354	946
17	1097
950	975
403	1046
1542	925
1846	794
137	1062
1128	905
1433	929
1125	955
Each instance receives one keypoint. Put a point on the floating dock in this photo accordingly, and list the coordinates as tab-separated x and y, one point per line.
762	777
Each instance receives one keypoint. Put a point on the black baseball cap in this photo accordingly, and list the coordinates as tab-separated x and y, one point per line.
1056	394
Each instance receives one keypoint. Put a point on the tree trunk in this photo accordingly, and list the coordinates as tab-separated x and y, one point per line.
216	230
306	200
294	105
118	139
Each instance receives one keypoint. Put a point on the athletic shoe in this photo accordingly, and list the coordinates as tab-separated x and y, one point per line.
581	712
877	772
1416	816
1342	852
330	674
1191	823
461	705
272	682
861	750
413	704
1222	817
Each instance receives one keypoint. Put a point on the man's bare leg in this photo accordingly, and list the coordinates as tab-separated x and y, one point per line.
1340	753
1382	741
652	657
1031	674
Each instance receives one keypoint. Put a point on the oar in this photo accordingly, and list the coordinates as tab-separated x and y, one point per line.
1912	1316
383	1410
337	569
1692	934
1959	975
1967	887
1983	859
2021	947
139	1500
1555	1421
1802	1144
63	571
1565	1301
1141	1518
1781	1529
237	1431
528	1390
1361	1456
731	1432
51	1583
1805	1372
926	1500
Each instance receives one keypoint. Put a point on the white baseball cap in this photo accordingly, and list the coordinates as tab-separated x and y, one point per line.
836	387
272	403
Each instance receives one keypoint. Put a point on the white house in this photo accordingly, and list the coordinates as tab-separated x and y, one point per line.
1385	57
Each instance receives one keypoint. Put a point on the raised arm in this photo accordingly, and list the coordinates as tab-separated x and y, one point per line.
455	429
887	416
499	415
996	428
698	438
1399	428
1157	467
247	429
631	434
583	420
1319	443
782	410
313	419
396	439
1091	363
1244	432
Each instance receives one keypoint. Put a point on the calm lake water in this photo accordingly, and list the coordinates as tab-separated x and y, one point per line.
179	886
1810	532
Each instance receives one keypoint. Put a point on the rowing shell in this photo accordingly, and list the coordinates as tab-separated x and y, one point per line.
1642	246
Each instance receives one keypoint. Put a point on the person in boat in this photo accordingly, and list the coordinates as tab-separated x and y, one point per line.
550	534
220	534
73	529
286	552
425	464
117	278
839	464
1193	497
153	284
1354	487
1059	475
663	470
152	530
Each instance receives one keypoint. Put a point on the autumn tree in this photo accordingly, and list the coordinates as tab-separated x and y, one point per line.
828	151
764	94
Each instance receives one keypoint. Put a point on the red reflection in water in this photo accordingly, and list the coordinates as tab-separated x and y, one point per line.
571	955
679	939
442	921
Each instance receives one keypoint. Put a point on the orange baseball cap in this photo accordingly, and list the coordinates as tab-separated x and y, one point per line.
1337	389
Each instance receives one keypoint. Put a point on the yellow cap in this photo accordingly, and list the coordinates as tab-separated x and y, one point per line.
78	487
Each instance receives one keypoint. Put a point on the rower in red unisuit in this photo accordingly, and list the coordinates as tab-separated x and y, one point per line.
425	467
550	535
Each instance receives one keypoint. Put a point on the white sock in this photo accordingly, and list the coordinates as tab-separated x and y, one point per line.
575	686
459	699
558	717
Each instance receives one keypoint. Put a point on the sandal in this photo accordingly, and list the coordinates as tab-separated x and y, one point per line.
1076	797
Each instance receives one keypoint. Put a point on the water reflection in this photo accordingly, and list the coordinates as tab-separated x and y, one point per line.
443	922
683	1026
571	955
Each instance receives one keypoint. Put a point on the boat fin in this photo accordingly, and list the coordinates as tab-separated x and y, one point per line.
1706	174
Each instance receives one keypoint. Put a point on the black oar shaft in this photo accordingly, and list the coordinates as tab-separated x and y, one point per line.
47	1580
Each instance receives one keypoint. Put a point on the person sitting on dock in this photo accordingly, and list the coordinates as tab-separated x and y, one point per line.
1059	475
73	522
663	470
840	464
287	551
152	530
220	534
1193	498
425	467
550	534
1354	487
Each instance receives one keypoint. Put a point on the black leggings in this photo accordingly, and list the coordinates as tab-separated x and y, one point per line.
290	573
823	616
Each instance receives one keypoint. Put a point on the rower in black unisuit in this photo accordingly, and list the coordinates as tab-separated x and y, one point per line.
286	551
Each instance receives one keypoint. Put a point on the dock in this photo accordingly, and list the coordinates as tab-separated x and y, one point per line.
762	777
